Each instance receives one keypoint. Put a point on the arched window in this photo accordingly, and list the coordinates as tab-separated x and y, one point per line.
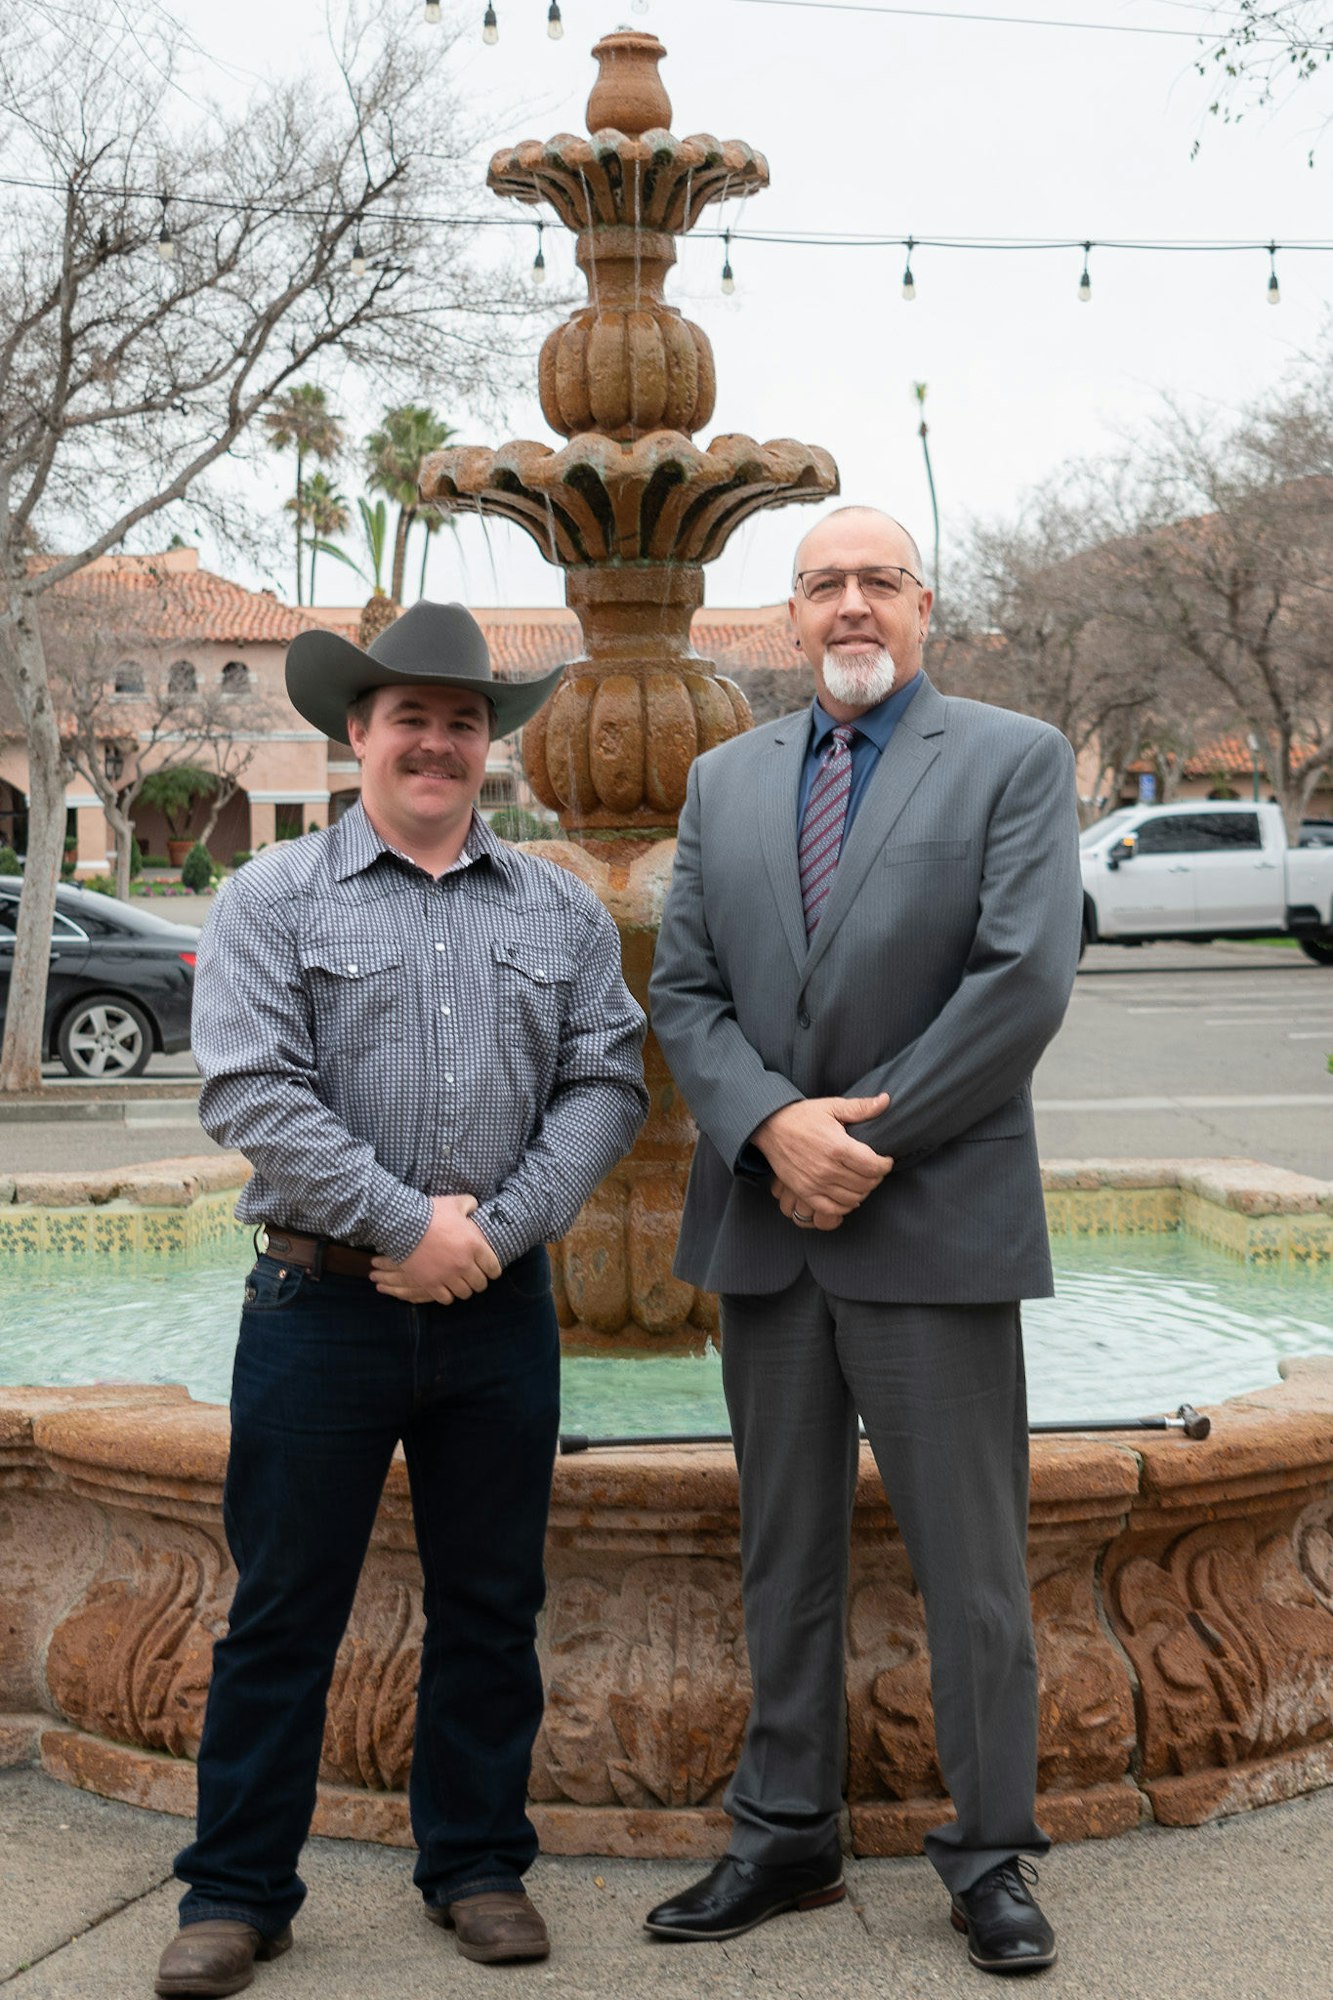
236	678
181	679
129	678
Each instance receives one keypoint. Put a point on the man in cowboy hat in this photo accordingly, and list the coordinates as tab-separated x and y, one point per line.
422	1040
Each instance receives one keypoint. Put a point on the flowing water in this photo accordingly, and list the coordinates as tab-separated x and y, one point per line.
1139	1325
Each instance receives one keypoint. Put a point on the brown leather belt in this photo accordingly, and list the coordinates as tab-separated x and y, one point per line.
317	1253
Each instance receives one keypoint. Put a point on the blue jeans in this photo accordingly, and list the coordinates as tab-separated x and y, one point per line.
329	1376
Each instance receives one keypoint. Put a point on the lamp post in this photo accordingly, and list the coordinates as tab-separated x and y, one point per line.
919	391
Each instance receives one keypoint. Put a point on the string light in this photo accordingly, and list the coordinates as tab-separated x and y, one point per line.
728	281
555	27
909	282
490	27
539	261
1085	282
1274	289
358	257
166	246
433	13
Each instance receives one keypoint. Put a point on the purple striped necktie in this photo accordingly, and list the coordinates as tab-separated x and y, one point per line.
824	823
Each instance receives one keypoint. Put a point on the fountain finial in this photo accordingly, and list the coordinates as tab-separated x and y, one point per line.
629	96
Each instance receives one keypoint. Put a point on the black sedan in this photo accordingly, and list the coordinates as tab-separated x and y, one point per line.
120	983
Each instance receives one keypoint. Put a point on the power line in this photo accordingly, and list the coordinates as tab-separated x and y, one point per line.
1019	21
839	239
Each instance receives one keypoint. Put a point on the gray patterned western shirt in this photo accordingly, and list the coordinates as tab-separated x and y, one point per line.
370	1036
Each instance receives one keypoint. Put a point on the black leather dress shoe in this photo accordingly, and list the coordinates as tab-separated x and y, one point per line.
737	1895
1006	1931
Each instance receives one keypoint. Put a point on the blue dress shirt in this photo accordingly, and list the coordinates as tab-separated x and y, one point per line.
873	730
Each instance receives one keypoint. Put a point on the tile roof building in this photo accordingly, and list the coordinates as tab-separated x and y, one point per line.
163	617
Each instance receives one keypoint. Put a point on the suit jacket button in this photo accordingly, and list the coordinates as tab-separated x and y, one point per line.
803	1018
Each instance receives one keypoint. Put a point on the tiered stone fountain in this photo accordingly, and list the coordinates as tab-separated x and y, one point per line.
631	509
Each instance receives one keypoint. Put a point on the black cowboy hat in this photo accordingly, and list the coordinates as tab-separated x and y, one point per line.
432	644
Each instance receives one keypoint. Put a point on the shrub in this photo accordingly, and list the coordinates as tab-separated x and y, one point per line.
101	885
241	856
136	858
197	872
514	823
9	861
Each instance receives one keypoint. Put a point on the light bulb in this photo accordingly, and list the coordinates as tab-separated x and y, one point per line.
1085	286
358	257
433	12
728	282
490	28
1274	291
539	267
166	248
909	285
555	27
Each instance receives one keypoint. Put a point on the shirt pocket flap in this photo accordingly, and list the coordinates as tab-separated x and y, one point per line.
350	958
544	965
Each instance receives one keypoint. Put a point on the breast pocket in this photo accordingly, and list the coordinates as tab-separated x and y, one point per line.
924	850
355	988
532	983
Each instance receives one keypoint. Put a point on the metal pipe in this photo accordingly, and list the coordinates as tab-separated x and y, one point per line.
1186	1419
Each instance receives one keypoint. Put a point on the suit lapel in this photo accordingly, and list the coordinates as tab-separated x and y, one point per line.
912	749
779	790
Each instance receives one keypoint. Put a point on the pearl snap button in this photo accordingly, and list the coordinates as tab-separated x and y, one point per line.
351	968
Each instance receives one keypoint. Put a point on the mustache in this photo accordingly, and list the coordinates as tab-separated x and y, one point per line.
437	767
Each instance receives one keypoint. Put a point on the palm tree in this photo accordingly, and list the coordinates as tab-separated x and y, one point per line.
300	417
395	454
326	513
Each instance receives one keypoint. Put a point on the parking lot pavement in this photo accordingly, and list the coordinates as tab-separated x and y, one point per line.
1193	1049
1167	1050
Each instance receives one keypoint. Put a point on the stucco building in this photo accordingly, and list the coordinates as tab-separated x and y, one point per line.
163	622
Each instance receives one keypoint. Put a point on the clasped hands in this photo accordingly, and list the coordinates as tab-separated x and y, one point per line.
452	1261
820	1173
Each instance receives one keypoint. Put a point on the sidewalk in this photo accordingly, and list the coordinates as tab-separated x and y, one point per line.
1235	1911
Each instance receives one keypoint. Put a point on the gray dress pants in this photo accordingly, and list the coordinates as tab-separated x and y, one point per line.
941	1392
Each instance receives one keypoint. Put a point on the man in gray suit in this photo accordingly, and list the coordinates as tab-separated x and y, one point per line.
871	936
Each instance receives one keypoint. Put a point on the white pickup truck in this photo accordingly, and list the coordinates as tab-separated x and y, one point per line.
1204	869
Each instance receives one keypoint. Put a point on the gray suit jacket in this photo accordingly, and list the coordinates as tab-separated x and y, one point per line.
941	968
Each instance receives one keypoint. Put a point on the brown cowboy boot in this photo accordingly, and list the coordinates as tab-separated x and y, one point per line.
495	1927
216	1957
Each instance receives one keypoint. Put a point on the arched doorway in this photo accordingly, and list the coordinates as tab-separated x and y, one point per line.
13	818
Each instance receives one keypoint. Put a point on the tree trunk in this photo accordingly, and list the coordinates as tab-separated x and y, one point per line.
300	484
225	793
406	516
21	1054
123	828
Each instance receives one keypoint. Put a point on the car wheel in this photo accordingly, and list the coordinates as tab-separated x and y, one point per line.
1320	949
106	1040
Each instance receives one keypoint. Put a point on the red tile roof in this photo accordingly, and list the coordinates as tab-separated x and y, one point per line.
176	601
181	603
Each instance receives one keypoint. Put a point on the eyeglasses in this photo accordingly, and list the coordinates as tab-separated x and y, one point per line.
825	586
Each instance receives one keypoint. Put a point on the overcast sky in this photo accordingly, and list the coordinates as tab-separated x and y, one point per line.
894	125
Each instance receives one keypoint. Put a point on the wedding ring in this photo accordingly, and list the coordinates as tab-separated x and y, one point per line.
797	1217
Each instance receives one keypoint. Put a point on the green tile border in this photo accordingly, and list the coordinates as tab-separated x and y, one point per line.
119	1229
1083	1200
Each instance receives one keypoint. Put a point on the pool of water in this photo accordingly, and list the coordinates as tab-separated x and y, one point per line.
1138	1325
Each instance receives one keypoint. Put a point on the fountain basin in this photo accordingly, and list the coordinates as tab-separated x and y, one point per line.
1183	1592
